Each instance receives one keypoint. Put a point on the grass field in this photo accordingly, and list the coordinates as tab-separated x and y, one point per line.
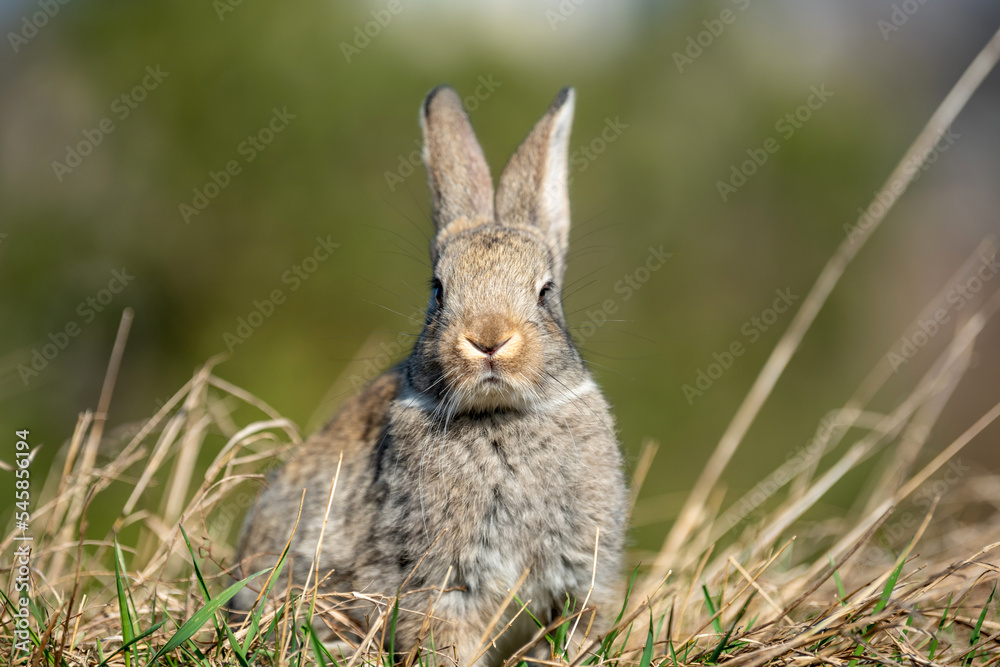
846	599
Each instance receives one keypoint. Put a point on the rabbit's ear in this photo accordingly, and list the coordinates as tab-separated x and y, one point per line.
533	188
460	181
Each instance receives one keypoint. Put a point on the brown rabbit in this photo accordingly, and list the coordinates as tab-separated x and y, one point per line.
490	450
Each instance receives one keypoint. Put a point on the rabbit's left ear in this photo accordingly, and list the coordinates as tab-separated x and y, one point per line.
533	190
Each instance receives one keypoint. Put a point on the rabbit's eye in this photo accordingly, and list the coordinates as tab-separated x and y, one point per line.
437	291
544	292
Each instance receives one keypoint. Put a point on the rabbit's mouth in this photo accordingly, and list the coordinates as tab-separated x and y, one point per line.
490	390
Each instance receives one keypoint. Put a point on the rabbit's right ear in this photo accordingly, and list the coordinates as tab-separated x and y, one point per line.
460	181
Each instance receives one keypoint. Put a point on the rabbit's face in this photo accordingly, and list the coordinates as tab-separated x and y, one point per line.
495	336
494	320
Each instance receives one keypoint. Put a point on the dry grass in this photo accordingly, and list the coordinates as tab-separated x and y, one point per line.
906	577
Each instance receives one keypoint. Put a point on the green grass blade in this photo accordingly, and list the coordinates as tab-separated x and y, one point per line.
322	655
977	631
271	629
392	633
890	586
940	628
725	640
647	650
841	591
194	561
124	612
220	628
138	638
38	612
670	634
602	652
857	653
528	612
199	618
559	639
716	623
235	645
256	613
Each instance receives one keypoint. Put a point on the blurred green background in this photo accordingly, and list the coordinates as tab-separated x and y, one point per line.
661	119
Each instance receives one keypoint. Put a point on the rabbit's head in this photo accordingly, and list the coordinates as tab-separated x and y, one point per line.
495	337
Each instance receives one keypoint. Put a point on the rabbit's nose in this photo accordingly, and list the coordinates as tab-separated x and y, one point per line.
489	349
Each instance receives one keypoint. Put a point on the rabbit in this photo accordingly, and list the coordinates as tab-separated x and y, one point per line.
489	452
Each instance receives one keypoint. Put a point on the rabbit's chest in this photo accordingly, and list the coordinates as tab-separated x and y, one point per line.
489	499
507	500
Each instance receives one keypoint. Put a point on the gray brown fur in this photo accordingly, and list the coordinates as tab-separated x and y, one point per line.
491	438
